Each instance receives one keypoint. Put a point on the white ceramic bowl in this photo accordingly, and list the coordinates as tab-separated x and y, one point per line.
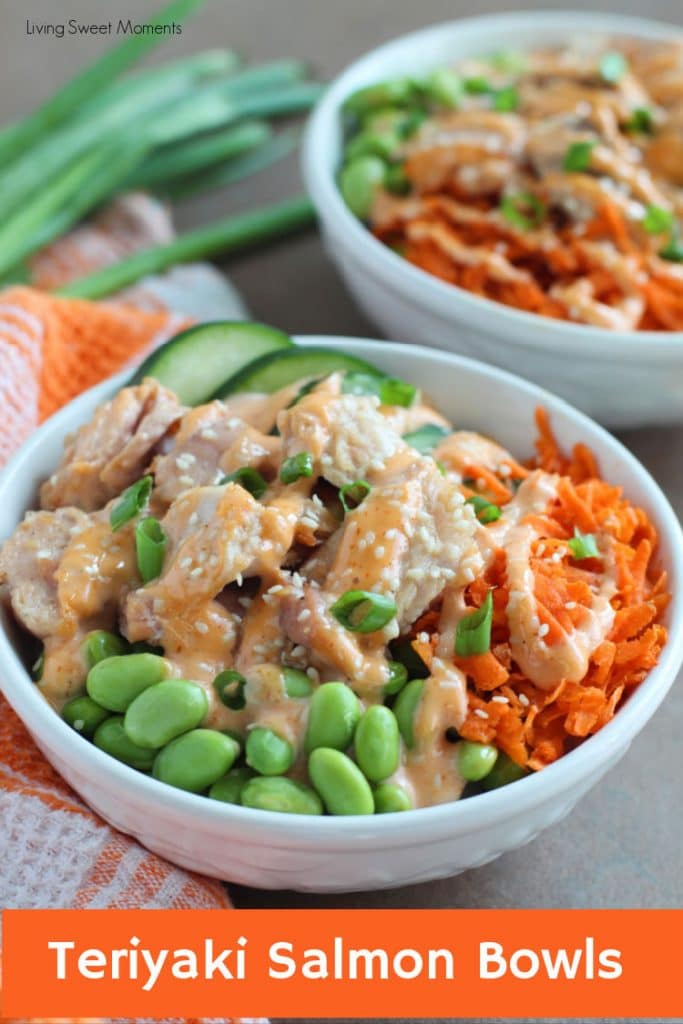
336	854
622	378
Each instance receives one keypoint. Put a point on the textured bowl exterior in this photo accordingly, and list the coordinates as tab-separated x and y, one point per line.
621	378
273	851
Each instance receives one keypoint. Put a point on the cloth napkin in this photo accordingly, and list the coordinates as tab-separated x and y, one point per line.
54	851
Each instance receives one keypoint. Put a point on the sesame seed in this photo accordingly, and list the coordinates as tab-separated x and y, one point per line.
197	572
391	534
523	700
570	605
185	563
245	602
499	699
544	629
379	552
480	713
313	674
304	614
43	554
201	627
194	519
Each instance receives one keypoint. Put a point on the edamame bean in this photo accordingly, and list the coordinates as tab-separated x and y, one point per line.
112	739
229	788
332	717
164	711
84	715
475	760
296	683
358	182
372	143
445	87
390	798
340	783
116	682
394	92
503	772
100	645
280	794
377	743
405	708
195	760
267	753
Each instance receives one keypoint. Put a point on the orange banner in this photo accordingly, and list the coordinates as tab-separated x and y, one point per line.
343	963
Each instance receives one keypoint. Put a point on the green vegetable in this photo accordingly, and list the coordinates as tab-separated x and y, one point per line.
389	390
390	798
296	467
485	510
477	85
524	210
397	181
229	789
267	753
673	250
229	686
362	611
376	743
641	121
282	795
84	715
296	684
333	715
99	644
445	88
115	682
405	709
112	739
426	438
150	547
657	220
164	711
248	478
277	370
505	100
503	772
513	62
473	633
67	100
613	67
398	677
582	545
404	652
475	760
340	783
353	495
578	155
224	236
196	760
359	181
131	503
372	143
192	361
393	93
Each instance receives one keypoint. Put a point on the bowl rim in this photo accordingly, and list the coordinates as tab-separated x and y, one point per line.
274	829
421	287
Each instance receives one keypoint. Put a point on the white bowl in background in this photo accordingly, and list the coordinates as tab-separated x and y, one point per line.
622	378
330	854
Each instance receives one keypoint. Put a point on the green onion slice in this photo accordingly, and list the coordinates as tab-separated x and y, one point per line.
398	677
296	467
512	61
473	635
352	495
673	250
132	502
389	390
505	100
150	548
477	85
426	438
582	545
296	683
657	220
578	155
613	67
523	209
641	121
485	510
362	611
248	478
229	686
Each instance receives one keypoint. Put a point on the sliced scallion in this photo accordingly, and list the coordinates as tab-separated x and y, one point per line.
641	121
426	438
229	686
673	250
473	633
523	210
657	220
150	548
505	100
486	511
132	502
296	467
352	495
578	155
582	545
248	478
362	611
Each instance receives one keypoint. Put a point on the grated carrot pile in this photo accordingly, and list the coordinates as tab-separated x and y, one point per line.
533	726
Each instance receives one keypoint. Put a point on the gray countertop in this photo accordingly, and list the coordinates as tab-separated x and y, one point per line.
622	846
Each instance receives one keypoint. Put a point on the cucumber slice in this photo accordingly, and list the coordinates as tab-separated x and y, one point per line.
278	369
192	361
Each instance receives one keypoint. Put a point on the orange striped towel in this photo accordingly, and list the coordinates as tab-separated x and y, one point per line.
50	350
